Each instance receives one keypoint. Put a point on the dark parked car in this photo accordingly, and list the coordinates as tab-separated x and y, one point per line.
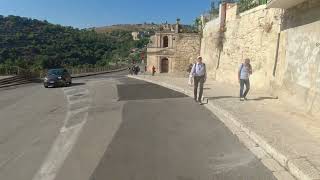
57	78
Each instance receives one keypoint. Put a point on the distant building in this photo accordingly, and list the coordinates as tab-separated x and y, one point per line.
135	36
171	51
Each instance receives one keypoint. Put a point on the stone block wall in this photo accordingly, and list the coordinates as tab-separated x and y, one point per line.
252	35
209	50
298	71
152	61
266	36
186	51
232	12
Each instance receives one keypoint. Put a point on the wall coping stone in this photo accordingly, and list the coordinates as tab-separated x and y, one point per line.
259	8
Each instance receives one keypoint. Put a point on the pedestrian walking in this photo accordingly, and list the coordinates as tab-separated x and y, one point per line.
130	70
189	69
136	69
153	70
133	69
199	74
244	73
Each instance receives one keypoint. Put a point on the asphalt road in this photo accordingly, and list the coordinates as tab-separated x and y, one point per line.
110	127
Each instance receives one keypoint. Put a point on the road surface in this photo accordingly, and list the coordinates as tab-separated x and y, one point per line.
110	127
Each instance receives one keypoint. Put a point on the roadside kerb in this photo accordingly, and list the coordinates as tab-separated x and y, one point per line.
251	140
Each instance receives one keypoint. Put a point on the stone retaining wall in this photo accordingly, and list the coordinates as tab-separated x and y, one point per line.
283	45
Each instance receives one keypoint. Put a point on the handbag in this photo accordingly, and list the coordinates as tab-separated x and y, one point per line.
190	81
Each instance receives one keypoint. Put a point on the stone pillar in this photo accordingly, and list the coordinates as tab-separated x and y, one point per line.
222	14
177	30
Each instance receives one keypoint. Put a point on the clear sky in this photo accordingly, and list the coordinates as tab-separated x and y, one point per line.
95	13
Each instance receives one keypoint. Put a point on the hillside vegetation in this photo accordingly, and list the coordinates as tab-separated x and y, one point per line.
127	27
34	44
140	28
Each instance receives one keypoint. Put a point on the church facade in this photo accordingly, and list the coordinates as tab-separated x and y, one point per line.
171	50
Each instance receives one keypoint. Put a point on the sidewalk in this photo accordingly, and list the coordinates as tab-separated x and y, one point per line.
292	139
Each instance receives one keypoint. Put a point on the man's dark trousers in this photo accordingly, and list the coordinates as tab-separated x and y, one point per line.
244	82
198	80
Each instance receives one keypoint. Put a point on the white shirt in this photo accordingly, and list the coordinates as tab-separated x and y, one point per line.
244	71
199	69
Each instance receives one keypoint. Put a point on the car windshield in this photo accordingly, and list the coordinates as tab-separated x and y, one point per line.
57	72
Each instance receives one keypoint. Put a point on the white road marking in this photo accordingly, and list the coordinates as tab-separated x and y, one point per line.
58	153
68	136
84	100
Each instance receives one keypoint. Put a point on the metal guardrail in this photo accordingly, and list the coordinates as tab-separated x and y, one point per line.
12	70
15	70
80	71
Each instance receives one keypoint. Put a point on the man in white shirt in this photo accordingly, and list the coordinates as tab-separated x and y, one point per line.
199	73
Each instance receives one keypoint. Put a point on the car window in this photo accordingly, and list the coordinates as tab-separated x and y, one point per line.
57	72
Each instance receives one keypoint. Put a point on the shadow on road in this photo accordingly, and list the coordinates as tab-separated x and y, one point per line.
262	98
222	97
237	97
77	84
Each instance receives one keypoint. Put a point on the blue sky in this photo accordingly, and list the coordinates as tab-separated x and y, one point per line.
95	13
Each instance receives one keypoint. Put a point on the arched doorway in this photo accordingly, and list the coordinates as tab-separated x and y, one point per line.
164	65
165	41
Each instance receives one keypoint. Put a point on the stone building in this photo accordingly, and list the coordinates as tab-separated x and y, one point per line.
171	50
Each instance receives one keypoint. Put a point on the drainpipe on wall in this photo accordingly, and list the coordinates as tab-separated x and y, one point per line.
222	16
278	44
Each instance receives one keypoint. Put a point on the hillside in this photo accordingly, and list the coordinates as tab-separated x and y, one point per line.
35	44
127	27
138	27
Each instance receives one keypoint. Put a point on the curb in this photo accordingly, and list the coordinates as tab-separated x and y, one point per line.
299	168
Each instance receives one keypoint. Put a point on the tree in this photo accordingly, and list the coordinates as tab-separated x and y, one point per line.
214	9
39	44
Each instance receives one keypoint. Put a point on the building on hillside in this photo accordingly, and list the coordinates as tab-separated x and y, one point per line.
171	50
138	35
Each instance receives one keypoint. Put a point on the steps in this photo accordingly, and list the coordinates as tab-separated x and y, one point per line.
14	81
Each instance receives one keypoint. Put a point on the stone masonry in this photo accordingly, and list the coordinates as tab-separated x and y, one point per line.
171	51
283	45
187	50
